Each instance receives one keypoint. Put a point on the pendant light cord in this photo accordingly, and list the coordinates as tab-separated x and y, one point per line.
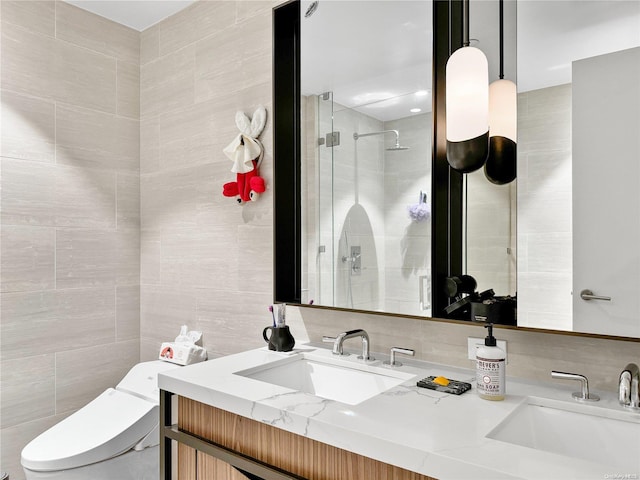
501	39
465	23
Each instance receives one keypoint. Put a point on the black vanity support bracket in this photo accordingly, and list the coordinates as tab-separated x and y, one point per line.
249	466
165	442
287	153
446	186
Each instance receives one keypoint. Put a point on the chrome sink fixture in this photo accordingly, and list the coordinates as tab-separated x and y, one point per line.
604	436
333	378
339	340
583	395
629	387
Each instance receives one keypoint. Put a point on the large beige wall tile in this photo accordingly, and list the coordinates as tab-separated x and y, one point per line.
150	348
254	260
194	23
228	329
85	258
150	144
82	28
97	258
41	66
35	16
83	374
128	200
127	256
28	128
89	138
27	261
128	85
149	44
233	59
166	84
199	257
127	313
163	309
28	193
150	257
56	320
171	199
196	134
27	390
85	197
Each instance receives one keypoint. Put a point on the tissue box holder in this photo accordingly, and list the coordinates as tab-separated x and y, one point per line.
182	354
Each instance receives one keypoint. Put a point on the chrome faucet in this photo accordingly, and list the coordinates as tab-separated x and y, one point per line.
583	395
339	340
629	387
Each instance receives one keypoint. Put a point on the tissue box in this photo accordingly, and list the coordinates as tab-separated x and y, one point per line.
182	354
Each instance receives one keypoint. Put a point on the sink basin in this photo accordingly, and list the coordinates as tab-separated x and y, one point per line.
608	437
338	379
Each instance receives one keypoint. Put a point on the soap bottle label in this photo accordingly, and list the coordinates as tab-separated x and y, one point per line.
490	376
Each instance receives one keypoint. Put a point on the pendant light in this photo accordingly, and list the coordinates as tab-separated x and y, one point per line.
503	100
467	103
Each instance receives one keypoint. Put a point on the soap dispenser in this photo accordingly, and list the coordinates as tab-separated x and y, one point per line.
490	368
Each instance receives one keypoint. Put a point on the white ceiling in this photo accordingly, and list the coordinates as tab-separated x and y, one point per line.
137	14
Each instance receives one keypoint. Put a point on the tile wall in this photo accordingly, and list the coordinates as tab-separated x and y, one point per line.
70	201
205	261
544	208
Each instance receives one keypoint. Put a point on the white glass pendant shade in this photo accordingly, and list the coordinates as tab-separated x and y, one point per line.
501	163
467	97
503	104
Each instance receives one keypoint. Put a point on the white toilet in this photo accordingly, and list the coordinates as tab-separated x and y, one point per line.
114	436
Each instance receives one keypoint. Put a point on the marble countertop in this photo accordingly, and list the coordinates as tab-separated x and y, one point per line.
425	431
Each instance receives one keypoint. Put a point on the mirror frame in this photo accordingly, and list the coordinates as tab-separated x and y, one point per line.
447	184
287	237
446	187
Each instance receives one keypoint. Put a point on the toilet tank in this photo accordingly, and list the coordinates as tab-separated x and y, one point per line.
142	379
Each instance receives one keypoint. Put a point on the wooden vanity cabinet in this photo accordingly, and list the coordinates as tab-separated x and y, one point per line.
212	441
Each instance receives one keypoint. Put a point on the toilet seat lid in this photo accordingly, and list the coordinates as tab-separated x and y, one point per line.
108	426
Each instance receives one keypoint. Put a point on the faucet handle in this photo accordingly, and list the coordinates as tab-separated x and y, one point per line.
337	344
583	395
392	357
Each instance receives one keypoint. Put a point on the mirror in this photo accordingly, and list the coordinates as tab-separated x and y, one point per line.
366	151
533	290
568	111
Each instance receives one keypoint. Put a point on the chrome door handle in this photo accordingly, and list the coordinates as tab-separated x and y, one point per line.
588	295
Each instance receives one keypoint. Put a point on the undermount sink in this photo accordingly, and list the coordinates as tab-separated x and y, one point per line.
345	380
607	437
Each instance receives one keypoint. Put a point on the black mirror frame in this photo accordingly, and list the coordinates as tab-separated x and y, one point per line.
287	238
446	206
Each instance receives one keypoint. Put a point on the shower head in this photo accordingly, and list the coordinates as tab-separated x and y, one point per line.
396	147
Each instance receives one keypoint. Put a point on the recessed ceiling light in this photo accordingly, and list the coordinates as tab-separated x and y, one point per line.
415	110
422	93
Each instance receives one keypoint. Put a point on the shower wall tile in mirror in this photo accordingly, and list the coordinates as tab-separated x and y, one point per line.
363	249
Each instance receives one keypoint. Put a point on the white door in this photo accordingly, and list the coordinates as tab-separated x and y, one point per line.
606	193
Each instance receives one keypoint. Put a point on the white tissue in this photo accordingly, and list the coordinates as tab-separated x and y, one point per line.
185	350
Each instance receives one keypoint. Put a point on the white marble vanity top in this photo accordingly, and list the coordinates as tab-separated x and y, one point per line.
425	431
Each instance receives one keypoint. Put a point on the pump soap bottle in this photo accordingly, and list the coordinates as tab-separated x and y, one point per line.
490	368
